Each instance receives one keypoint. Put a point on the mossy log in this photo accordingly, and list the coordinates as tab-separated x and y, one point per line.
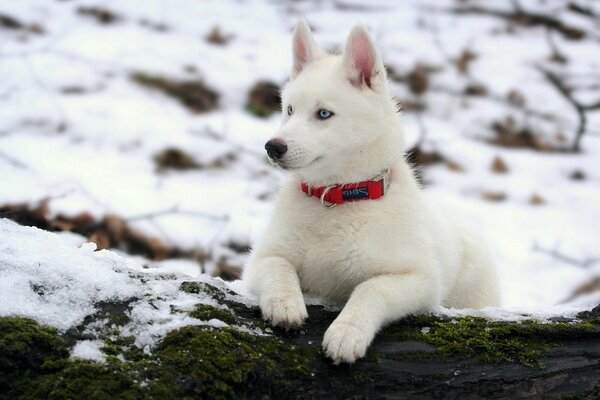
417	358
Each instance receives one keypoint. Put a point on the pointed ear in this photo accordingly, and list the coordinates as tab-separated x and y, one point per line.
361	59
304	48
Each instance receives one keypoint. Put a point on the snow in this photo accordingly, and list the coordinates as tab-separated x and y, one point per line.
43	276
58	281
88	350
93	152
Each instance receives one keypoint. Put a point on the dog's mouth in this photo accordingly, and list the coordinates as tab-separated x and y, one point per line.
287	167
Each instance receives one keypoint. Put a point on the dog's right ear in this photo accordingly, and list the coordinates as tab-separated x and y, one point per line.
304	48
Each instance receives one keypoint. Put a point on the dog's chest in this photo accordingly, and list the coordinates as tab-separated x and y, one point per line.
337	249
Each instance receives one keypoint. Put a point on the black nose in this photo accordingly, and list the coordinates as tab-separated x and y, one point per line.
276	148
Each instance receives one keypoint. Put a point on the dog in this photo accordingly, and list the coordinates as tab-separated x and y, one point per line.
351	223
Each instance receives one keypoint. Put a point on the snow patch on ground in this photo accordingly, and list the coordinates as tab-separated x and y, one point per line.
89	350
47	277
44	277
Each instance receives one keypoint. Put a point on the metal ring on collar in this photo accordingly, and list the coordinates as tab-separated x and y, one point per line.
327	189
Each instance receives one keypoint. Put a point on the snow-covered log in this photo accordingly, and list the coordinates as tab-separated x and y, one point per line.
78	323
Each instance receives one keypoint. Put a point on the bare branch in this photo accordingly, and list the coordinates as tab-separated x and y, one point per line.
176	211
13	161
580	108
586	263
526	18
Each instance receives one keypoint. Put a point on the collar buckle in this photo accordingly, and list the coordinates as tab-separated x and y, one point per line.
385	177
324	203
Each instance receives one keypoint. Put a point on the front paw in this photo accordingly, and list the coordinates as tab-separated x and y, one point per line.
288	312
346	342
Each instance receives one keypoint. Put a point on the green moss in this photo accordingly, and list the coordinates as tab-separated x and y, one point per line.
373	356
28	350
193	362
494	342
225	363
201	287
123	346
206	313
87	380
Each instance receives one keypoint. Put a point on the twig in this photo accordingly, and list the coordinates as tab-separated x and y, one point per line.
582	10
525	18
556	54
13	161
176	211
579	107
588	262
497	98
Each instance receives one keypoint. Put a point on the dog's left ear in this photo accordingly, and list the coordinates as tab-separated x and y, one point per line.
362	62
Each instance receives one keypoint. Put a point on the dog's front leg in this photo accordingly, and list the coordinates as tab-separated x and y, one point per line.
276	281
372	304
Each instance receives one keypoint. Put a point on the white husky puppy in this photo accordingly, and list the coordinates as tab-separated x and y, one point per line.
351	223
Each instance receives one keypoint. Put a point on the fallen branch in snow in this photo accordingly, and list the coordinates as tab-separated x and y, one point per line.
586	263
13	161
176	211
525	18
580	108
583	10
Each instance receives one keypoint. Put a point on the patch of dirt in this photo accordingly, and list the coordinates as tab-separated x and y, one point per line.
516	98
101	15
227	270
411	106
193	94
493	196
418	79
109	232
155	26
499	166
508	134
475	89
173	158
11	23
577	175
216	37
592	286
420	158
264	99
537	200
464	61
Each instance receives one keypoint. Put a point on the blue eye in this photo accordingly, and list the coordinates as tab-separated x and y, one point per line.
290	110
324	114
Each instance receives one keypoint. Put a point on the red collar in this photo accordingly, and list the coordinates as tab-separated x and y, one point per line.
333	195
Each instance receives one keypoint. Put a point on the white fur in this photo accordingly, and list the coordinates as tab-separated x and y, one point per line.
385	258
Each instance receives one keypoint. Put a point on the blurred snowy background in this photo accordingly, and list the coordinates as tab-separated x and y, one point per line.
140	124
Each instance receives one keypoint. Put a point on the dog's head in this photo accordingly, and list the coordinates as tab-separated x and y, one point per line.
334	108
